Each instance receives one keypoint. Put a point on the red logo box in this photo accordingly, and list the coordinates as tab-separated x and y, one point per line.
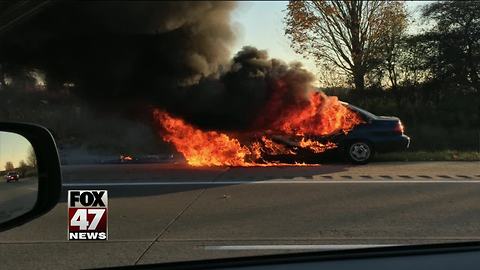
87	215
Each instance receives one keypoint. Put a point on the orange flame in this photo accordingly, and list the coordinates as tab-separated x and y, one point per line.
316	147
125	158
202	148
321	116
273	148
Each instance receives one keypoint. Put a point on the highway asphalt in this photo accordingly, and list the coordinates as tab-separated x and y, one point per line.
170	212
17	198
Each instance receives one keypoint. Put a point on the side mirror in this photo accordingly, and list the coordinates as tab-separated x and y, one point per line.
30	176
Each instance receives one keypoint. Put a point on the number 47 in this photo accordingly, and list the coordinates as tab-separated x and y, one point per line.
80	218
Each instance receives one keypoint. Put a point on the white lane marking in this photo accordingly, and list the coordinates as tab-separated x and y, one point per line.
217	183
292	247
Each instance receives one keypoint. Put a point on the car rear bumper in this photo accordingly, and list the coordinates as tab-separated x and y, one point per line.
398	143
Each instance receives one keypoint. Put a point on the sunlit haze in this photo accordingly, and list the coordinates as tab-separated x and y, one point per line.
13	147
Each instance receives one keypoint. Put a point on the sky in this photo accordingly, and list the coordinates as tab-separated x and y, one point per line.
13	147
260	24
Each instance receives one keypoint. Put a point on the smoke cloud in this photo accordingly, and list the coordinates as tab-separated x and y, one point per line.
251	94
123	49
173	55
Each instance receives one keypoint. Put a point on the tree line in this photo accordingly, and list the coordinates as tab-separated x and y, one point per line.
369	42
23	165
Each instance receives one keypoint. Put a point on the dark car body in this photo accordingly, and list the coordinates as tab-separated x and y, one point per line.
385	133
12	176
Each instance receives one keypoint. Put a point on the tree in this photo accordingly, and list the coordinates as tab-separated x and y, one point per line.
31	158
392	37
417	59
347	34
22	167
457	32
9	166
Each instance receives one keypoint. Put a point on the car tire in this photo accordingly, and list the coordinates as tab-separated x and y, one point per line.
359	152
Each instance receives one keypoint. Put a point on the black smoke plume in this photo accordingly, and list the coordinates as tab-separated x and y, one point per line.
238	99
123	49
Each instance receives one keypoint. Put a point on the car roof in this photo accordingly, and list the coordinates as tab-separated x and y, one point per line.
359	110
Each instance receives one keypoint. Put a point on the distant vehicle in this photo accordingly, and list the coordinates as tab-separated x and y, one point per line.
12	176
377	134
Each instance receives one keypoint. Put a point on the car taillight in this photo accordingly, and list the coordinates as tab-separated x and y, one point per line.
399	128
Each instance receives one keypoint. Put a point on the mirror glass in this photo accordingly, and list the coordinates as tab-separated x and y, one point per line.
19	176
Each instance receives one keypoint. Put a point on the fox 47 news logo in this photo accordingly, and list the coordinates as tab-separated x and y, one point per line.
87	215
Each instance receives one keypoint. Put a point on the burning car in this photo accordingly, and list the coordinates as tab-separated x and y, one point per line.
359	145
292	134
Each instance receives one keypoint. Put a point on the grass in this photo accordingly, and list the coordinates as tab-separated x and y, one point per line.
447	155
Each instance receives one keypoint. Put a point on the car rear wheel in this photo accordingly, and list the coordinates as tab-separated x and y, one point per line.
359	152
